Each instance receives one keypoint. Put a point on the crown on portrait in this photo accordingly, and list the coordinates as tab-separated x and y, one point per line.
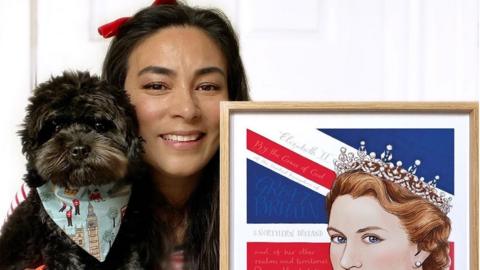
385	169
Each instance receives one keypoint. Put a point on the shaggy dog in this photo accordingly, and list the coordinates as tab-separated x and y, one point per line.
78	131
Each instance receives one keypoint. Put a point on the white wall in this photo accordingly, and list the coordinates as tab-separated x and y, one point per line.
323	50
15	82
313	50
69	40
361	50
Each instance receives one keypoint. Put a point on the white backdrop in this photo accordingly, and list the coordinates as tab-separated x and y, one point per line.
324	50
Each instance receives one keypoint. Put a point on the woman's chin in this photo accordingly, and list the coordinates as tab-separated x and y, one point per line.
181	172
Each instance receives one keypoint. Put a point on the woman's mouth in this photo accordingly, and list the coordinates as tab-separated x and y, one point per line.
185	141
182	138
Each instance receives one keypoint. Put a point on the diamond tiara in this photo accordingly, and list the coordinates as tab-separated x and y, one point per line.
384	168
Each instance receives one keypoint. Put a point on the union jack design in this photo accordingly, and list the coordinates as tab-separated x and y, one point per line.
289	173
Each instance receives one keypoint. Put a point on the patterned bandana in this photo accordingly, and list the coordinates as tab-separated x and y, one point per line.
90	216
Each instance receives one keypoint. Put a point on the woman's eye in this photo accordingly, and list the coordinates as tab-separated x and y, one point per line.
338	239
208	87
155	86
372	239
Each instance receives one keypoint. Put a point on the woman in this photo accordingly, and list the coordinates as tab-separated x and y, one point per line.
377	224
177	63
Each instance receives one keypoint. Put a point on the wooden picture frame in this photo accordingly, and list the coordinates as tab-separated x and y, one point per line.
242	211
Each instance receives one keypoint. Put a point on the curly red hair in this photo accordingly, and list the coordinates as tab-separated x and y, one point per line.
426	225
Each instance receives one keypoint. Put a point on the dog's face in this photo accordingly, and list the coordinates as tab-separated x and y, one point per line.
79	131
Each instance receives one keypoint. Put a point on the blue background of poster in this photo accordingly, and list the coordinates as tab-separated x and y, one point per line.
273	198
433	147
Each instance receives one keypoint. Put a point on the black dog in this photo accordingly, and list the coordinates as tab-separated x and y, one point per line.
79	131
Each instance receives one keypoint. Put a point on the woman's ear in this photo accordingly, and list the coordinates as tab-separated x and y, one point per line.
419	257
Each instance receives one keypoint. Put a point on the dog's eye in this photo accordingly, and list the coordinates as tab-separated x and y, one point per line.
57	126
49	129
101	126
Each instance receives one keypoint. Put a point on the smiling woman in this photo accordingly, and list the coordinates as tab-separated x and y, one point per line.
377	224
176	87
177	63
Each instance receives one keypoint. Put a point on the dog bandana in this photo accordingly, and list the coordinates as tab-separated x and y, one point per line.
91	216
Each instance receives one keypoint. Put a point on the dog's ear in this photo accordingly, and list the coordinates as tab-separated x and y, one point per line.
27	141
32	124
127	110
135	147
25	133
37	112
134	141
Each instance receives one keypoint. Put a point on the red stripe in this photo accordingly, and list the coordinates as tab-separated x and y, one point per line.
272	256
16	199
289	159
452	256
291	256
23	192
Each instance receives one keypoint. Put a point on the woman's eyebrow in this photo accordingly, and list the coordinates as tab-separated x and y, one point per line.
370	228
157	70
207	70
333	229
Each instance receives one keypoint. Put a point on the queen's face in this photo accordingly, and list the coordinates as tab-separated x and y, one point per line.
365	236
176	79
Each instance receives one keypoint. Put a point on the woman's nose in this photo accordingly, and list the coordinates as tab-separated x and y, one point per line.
184	104
351	257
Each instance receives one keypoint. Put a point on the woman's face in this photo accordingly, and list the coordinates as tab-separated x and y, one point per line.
176	79
364	236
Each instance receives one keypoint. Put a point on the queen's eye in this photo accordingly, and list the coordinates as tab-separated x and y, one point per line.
372	239
338	239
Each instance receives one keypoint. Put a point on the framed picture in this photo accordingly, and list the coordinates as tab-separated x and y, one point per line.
348	185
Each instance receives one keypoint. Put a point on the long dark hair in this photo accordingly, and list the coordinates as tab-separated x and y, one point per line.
202	236
150	20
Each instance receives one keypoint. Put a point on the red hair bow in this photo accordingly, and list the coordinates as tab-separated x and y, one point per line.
111	29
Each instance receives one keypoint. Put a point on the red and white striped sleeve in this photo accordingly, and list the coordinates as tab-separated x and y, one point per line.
20	196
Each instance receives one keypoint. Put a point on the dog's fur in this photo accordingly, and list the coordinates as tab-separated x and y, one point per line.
67	112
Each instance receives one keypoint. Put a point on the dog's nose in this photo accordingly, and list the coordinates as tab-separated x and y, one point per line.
80	151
